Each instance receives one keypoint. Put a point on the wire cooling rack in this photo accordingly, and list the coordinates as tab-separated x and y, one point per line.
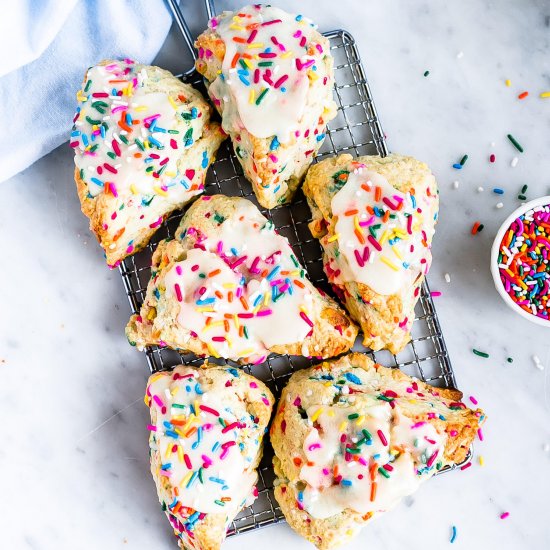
356	130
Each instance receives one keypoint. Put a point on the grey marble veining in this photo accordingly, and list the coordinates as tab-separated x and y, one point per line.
73	459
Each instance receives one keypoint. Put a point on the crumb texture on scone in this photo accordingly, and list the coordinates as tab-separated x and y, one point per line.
270	75
206	431
375	218
230	286
143	141
352	438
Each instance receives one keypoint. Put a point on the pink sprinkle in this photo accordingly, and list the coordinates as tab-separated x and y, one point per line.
473	399
178	269
480	434
382	438
297	402
306	319
264	313
230	427
151	428
177	289
187	461
374	242
130	249
314	446
326	471
207	461
281	81
504	515
431	460
207	409
253	385
252	36
74	144
435	293
158	400
116	148
492	158
417	425
466	466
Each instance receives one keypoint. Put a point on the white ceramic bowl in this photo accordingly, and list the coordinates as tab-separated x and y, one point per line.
543	201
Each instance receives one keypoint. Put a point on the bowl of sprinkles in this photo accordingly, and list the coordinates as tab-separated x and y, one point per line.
519	261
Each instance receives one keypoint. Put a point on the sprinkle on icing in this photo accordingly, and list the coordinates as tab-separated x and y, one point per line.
128	138
375	443
205	453
270	57
380	237
241	291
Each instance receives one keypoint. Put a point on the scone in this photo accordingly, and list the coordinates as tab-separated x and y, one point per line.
207	426
270	75
352	438
143	141
230	286
375	218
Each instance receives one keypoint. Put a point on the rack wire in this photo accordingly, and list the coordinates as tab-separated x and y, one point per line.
356	130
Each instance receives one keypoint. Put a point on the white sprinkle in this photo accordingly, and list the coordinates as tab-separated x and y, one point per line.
536	359
460	55
514	162
456	184
447	278
546	447
499	205
480	189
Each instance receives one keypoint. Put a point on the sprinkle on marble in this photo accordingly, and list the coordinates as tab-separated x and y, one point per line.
453	534
447	278
426	73
456	183
480	353
477	228
515	142
514	162
504	515
523	95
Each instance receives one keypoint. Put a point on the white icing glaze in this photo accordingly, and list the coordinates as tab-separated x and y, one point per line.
400	251
255	265
131	130
191	439
265	35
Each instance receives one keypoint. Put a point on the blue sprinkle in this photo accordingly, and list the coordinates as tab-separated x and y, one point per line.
346	482
167	424
204	163
498	191
155	142
234	372
216	446
453	535
350	377
193	517
283	89
184	183
244	80
156	293
320	137
97	182
274	144
128	119
166	466
235	252
217	480
457	166
273	272
413	200
75	133
173	503
102	130
85	140
198	389
206	301
299	17
170	433
194	112
258	300
276	189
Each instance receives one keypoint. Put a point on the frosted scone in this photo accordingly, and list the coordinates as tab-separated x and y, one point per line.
230	286
352	438
270	75
375	218
207	426
143	141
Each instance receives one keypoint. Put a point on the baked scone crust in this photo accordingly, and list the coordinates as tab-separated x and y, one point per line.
274	180
332	332
385	320
243	397
289	430
125	220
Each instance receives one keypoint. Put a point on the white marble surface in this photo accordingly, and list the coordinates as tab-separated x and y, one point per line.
73	453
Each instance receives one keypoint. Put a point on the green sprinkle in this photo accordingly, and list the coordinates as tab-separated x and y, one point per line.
93	121
352	451
522	197
110	154
219	218
173	131
124	139
88	84
480	353
463	160
139	144
265	63
219	503
294	260
202	275
162	169
245	332
243	64
385	398
515	143
510	360
261	96
426	73
149	168
353	416
367	434
480	228
524	188
178	406
384	473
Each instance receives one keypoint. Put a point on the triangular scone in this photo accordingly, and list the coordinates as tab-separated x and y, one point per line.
375	218
352	438
143	141
207	426
270	75
230	286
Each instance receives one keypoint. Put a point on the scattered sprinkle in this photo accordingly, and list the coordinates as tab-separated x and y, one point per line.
523	95
477	228
514	162
515	142
499	205
545	95
508	82
456	184
480	189
453	534
480	353
447	278
510	359
504	515
426	73
498	191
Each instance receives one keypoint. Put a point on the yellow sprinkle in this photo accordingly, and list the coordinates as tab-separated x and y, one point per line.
229	285
389	263
170	174
204	309
330	412
236	27
151	314
160	191
246	62
312	75
168	451
396	252
400	233
172	102
255	45
545	94
246	352
180	453
141	108
360	420
212	351
156	377
186	479
335	237
286	54
267	298
212	325
342	426
133	189
384	237
316	414
508	82
175	390
356	224
481	461
251	96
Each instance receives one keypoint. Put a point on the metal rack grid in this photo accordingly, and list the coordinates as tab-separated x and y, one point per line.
357	130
